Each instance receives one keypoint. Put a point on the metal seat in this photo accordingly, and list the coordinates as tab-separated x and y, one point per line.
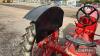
79	41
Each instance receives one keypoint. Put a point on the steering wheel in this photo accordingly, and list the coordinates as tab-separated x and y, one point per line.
87	16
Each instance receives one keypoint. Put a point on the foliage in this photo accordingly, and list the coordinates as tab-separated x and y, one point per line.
97	1
89	1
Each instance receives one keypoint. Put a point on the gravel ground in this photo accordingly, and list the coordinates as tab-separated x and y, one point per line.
10	43
68	12
11	30
19	6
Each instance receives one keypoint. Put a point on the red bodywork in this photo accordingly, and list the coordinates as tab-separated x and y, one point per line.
86	33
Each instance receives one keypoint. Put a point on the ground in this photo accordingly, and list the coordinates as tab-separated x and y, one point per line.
12	27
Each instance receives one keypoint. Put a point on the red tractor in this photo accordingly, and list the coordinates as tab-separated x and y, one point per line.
47	20
82	41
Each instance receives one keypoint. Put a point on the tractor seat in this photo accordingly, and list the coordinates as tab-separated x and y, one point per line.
79	41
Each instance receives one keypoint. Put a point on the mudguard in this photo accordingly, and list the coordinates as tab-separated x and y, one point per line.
47	19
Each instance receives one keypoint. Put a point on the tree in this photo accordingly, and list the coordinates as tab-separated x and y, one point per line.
86	1
82	1
97	1
90	1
